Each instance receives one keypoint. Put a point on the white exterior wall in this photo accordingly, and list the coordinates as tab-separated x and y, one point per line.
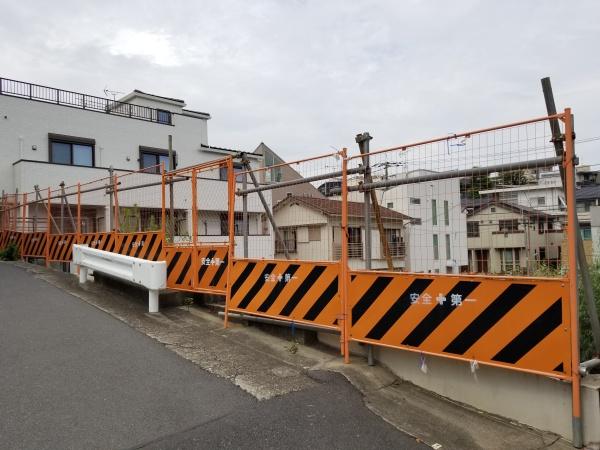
26	123
419	240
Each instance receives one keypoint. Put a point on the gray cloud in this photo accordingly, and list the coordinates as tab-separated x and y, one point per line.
305	75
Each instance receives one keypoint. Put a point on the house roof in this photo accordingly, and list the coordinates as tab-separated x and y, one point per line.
590	192
137	91
519	209
331	207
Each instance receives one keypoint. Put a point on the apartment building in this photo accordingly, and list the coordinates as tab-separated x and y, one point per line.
50	135
504	238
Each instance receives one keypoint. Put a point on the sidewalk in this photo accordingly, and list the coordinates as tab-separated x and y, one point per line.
267	367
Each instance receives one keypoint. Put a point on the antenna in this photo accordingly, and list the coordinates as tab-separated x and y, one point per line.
108	92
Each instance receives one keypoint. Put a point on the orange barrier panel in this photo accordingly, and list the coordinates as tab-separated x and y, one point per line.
61	247
299	291
146	245
34	244
521	323
101	241
10	236
212	268
179	267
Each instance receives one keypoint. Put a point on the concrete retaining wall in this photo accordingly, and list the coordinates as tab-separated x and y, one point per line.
537	401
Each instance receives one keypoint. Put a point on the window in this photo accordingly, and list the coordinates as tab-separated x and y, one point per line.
586	231
446	213
237	168
541	201
509	259
390	205
163	116
416	221
354	242
314	233
436	251
542	253
415	201
448	256
152	158
509	226
434	212
289	238
473	228
237	224
70	150
395	244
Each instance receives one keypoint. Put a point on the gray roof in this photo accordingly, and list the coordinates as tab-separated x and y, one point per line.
590	192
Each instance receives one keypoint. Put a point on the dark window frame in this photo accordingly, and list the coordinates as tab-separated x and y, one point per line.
71	140
223	172
143	150
164	111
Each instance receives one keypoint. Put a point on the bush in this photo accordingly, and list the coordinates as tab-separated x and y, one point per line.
587	350
10	252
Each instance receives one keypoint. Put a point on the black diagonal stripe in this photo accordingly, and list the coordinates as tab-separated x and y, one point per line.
142	242
157	253
129	247
120	251
531	336
369	297
258	284
219	274
204	267
352	277
308	282
490	316
184	271
264	307
173	262
56	247
439	313
243	277
322	301
149	246
559	368
399	307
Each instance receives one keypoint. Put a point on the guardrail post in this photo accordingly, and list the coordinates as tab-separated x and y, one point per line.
574	303
153	300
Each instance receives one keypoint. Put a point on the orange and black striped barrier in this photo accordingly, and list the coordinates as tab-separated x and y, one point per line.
299	291
518	322
34	244
60	247
10	236
211	274
144	245
101	241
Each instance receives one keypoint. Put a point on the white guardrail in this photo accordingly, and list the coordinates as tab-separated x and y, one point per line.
150	274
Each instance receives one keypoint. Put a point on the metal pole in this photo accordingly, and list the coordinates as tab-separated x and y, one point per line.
295	182
363	145
573	304
475	171
64	197
245	229
116	199
171	194
46	205
62	207
78	228
163	226
586	280
231	230
49	218
343	285
265	206
195	255
111	224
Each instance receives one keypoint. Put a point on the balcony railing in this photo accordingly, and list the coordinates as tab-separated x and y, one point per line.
55	96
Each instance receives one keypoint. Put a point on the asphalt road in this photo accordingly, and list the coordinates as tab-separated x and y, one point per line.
72	376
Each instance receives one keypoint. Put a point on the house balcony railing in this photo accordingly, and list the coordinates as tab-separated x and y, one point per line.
55	96
355	250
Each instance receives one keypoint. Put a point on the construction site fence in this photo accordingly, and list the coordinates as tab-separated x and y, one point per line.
432	247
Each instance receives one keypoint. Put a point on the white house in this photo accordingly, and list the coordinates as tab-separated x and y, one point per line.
311	230
50	135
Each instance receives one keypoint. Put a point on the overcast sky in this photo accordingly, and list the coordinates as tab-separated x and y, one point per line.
303	76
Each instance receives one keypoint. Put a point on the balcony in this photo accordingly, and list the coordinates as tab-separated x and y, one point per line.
21	89
508	239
